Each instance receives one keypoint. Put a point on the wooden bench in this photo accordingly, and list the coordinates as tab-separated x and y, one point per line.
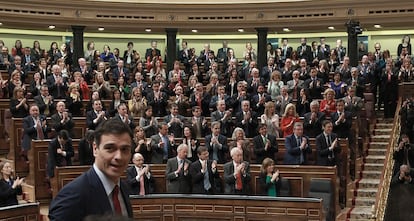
26	212
37	174
299	178
237	208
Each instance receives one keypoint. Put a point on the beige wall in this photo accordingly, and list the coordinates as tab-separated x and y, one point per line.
388	39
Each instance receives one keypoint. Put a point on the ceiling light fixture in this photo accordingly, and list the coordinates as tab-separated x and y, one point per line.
52	27
331	28
194	30
101	28
240	30
286	30
377	26
148	29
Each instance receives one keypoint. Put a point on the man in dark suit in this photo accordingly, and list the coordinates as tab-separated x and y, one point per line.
267	70
260	99
312	121
356	81
62	120
237	174
217	144
304	50
204	173
112	150
199	125
45	101
139	82
123	116
177	174
297	146
314	85
57	83
222	52
29	62
327	145
265	145
404	176
254	81
184	56
86	72
148	52
286	49
139	177
162	146
120	71
224	117
96	116
342	121
404	152
247	120
175	121
158	100
34	127
60	152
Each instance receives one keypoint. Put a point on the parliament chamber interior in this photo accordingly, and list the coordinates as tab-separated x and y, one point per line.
239	110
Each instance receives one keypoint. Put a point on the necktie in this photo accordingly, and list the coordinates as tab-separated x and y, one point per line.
302	158
115	201
264	140
39	130
207	184
142	185
165	141
239	183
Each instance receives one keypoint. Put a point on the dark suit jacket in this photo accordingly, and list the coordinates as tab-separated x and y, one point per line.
343	130
259	108
158	106
225	126
314	128
58	126
175	128
249	127
158	152
293	151
264	187
230	180
90	116
116	73
42	106
314	91
30	132
259	148
135	185
73	202
57	91
85	153
148	53
221	153
54	159
197	177
180	183
131	123
8	195
325	156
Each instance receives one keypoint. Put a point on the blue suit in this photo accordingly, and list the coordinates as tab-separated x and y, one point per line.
293	151
84	196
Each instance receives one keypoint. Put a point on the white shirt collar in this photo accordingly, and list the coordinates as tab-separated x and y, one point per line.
106	182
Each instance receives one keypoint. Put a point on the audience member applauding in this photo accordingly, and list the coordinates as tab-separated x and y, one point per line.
270	180
62	119
139	177
9	188
237	174
297	146
204	174
60	152
177	174
288	120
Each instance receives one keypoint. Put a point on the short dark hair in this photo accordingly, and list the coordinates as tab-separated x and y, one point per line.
325	122
64	134
111	126
201	149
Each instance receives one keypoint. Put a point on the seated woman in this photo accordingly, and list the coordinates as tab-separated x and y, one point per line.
141	144
137	103
148	122
240	142
74	101
327	105
19	106
116	95
303	103
83	85
275	85
269	178
288	120
123	87
9	188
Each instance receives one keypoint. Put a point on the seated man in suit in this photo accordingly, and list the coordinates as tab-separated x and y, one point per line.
139	177
60	152
120	71
217	144
224	117
45	101
221	95
237	174
177	174
247	120
265	145
102	183
175	121
297	146
58	85
259	100
96	116
404	176
312	122
62	120
204	173
123	116
342	121
327	145
199	123
162	145
158	100
34	128
353	103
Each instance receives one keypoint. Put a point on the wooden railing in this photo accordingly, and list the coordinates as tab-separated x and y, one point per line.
386	176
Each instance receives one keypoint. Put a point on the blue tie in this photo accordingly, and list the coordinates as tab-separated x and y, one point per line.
165	141
207	184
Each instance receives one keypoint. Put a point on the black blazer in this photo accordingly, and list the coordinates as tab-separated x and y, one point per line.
78	194
259	148
85	153
313	128
54	159
8	195
325	156
264	187
197	178
343	130
135	185
42	106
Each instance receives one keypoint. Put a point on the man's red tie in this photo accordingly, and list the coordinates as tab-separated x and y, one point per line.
39	131
239	183
115	201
